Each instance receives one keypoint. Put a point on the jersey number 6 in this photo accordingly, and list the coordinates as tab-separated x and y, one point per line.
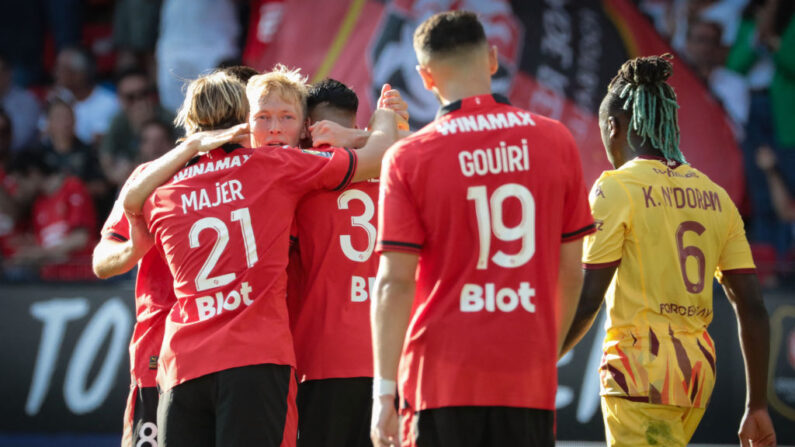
688	252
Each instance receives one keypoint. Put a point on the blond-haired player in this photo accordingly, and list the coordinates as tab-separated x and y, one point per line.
663	230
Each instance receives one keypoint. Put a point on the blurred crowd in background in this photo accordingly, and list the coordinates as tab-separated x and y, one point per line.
88	92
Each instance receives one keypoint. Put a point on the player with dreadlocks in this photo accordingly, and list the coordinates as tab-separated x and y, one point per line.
663	230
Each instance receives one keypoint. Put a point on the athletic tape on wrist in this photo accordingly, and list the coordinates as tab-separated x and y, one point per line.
383	387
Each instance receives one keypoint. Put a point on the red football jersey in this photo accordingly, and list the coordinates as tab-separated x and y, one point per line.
222	224
58	214
154	298
485	195
331	284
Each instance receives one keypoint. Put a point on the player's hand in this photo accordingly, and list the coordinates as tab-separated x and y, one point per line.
756	429
140	238
329	133
384	422
211	139
391	99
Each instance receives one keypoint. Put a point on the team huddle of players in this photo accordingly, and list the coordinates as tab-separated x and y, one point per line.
274	309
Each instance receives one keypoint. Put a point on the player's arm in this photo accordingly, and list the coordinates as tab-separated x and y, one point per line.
753	326
113	257
595	284
569	286
160	170
329	133
389	317
384	133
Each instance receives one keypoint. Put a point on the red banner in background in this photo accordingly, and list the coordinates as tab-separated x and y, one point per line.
556	59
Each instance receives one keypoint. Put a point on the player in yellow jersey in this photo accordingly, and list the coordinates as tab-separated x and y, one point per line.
663	230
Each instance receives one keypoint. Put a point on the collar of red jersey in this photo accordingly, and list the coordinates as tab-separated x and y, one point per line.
673	164
471	102
226	148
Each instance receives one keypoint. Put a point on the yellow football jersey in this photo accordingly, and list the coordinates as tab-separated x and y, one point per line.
669	228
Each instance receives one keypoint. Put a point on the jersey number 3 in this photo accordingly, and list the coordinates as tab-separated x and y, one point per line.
362	221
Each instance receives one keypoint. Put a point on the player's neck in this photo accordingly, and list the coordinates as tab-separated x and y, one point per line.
648	151
457	90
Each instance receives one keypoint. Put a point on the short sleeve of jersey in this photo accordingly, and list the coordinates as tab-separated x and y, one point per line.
610	208
578	221
399	224
116	226
310	170
736	253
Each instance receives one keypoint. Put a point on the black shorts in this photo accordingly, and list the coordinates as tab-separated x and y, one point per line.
335	412
140	418
248	405
481	427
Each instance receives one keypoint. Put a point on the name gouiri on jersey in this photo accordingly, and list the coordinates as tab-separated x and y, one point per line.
503	158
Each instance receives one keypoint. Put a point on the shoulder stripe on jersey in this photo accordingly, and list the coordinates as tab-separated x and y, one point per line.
351	168
400	245
582	232
115	236
739	271
603	265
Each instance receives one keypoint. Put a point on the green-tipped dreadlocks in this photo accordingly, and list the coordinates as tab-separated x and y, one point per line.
641	90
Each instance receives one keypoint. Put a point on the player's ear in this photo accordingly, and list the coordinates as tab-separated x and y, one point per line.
494	61
613	127
427	77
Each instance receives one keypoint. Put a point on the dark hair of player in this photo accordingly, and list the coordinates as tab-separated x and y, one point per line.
334	93
447	32
640	90
241	72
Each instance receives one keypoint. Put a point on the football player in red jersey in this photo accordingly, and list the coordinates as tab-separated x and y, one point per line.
115	254
222	224
480	219
331	271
